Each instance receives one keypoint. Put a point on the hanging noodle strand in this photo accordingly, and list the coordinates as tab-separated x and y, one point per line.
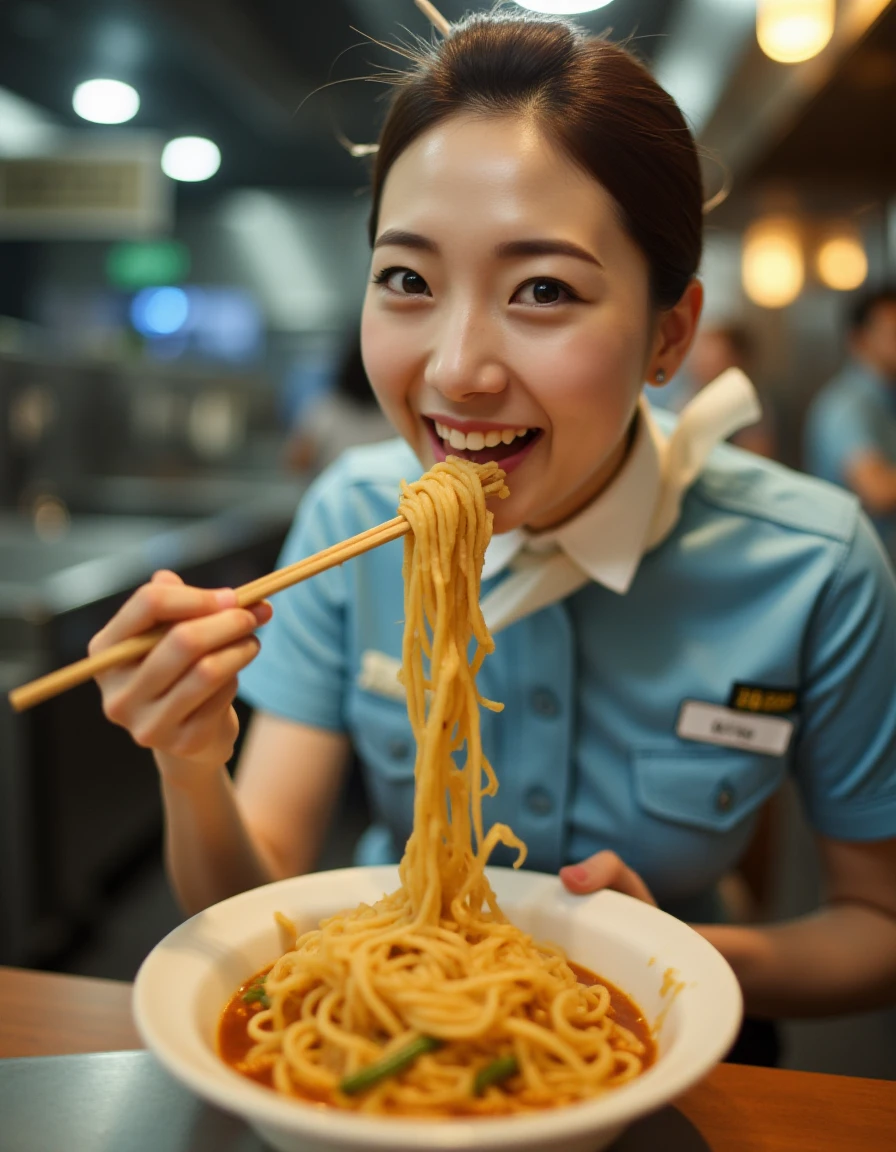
436	964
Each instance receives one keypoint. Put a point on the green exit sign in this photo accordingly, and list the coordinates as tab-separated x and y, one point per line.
147	263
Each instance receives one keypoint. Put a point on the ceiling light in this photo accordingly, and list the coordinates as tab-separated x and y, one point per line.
191	158
105	101
841	262
772	267
791	31
562	7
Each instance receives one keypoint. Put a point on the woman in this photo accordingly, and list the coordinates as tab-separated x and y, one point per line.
668	647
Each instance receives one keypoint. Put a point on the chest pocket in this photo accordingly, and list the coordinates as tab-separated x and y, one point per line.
709	788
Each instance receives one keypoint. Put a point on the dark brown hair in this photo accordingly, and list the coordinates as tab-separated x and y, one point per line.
862	308
591	98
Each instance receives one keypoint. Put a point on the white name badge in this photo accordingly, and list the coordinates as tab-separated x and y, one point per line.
713	724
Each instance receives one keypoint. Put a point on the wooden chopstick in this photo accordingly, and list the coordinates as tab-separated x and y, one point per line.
54	683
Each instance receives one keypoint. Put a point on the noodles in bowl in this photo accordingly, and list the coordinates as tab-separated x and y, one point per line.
470	1088
435	982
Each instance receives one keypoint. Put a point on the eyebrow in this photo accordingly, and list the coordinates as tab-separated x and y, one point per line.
511	249
515	248
400	239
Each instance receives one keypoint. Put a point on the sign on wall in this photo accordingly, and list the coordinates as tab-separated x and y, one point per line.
106	188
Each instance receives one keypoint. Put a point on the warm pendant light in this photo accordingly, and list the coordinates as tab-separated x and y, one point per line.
790	31
772	267
841	262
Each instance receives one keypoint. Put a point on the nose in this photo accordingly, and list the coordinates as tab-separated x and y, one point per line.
465	359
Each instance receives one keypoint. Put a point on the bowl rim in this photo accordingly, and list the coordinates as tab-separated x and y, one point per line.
261	1107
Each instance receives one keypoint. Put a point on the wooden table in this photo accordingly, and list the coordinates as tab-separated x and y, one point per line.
735	1109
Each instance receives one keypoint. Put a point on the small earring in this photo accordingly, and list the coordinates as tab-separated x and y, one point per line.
660	376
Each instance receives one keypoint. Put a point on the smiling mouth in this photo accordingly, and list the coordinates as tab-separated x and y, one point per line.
502	445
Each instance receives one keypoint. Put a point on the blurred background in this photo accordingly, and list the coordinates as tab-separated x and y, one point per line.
182	263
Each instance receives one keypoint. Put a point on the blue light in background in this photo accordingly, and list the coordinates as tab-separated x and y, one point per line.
160	311
208	322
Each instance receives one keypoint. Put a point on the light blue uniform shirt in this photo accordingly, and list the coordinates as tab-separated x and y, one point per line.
855	412
769	578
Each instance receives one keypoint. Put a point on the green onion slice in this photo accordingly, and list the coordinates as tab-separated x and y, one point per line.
389	1066
501	1069
255	994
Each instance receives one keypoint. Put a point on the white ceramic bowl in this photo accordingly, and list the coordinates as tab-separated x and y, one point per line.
185	981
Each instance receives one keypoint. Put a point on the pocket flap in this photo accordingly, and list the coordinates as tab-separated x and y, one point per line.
705	788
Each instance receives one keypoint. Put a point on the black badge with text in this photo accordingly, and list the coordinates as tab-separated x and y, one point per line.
763	698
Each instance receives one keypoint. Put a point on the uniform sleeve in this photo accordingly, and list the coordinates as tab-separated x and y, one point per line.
300	672
845	760
839	429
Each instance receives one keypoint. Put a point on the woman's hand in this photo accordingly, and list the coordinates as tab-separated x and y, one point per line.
179	699
605	870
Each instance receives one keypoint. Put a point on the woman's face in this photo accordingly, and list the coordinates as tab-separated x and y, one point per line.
508	316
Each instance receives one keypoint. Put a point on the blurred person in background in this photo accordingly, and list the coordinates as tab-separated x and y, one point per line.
342	418
850	434
716	348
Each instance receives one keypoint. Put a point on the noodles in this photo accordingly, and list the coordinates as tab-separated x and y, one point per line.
429	1002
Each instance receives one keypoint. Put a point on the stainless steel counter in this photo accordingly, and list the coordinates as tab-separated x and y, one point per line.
126	1102
77	797
109	1100
101	554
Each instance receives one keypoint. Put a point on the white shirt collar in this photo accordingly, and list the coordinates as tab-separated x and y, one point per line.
634	514
609	536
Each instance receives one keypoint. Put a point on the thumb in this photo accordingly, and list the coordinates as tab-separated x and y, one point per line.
605	870
163	576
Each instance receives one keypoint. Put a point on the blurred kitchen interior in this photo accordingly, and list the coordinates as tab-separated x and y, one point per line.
162	339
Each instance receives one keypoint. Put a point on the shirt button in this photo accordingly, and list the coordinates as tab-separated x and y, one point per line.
539	801
724	801
398	749
544	703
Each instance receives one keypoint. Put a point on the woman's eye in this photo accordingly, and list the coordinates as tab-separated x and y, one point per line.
543	291
402	281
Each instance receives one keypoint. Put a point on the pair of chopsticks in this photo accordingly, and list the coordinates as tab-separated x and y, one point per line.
133	648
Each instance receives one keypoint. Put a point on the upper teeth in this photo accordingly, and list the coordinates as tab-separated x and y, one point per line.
476	441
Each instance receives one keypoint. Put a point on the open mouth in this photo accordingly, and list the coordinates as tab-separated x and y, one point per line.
506	446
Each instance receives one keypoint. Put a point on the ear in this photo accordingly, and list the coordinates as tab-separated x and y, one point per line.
674	332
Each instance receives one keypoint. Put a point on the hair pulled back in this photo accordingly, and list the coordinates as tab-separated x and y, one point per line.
590	98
